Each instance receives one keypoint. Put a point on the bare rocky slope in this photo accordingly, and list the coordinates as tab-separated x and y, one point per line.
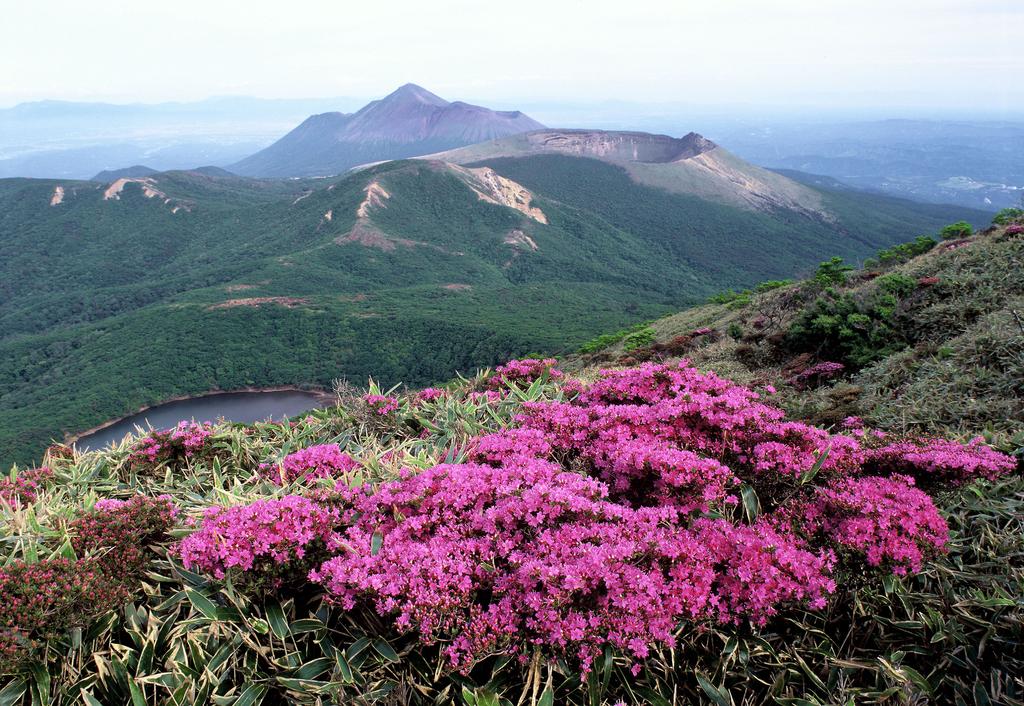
688	165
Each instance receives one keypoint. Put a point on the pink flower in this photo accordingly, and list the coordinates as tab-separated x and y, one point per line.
524	372
310	463
886	519
256	537
382	404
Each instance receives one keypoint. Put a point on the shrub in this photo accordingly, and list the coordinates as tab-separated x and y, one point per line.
121	533
937	463
41	601
265	544
1008	216
832	272
638	339
955	231
524	372
23	488
885	520
566	569
188	441
311	463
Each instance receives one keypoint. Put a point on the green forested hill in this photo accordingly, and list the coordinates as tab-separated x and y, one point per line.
111	299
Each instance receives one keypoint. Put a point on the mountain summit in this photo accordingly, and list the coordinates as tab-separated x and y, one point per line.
406	123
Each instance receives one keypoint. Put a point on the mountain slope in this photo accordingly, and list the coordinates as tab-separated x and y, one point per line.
930	340
689	165
408	122
126	294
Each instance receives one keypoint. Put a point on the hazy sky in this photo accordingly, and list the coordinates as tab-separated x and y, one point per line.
899	53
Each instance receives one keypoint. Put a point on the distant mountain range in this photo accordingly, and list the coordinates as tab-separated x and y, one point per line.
409	122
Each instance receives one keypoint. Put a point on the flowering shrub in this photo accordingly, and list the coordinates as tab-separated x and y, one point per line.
1015	229
382	404
186	441
41	601
588	524
120	532
524	372
430	394
887	520
264	543
310	463
937	462
23	488
531	555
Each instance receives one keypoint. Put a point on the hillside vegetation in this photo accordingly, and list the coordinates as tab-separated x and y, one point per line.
927	338
651	535
121	295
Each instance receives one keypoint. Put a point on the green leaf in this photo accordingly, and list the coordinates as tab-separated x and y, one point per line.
719	695
203	604
385	651
12	692
343	667
809	476
547	697
90	700
376	542
305	686
252	696
40	685
314	668
751	503
278	623
138	698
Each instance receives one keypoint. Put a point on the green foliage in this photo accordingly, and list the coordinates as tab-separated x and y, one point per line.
638	339
954	231
1008	216
841	327
902	252
897	284
832	272
607	340
738	300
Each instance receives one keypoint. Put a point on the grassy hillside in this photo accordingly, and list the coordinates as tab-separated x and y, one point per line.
930	338
191	282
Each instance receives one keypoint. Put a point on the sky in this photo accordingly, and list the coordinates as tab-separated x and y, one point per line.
894	54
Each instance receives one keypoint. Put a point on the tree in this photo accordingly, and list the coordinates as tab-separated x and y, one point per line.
954	231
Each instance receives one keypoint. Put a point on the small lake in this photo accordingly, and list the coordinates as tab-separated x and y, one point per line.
232	406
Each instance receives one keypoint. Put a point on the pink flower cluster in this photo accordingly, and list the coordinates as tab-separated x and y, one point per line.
192	435
382	404
186	440
524	372
532	555
23	488
259	535
940	462
1015	229
887	520
430	394
311	463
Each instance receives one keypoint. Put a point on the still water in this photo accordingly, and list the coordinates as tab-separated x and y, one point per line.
232	406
